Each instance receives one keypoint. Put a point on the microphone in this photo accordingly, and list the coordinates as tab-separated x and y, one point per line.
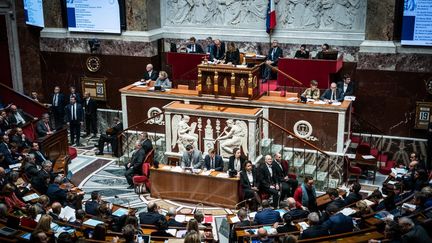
247	200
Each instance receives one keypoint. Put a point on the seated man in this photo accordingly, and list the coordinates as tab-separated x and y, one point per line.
150	74
413	233
287	227
267	215
134	167
43	177
111	137
192	158
213	161
333	94
152	215
302	53
287	185
324	48
193	47
346	86
354	194
17	116
39	156
43	127
92	205
55	193
20	139
315	229
217	51
171	218
313	92
268	181
244	221
336	200
338	223
294	212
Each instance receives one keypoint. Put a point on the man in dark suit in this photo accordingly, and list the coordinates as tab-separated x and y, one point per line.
150	74
336	200
43	178
191	158
244	222
412	232
282	177
90	107
17	117
267	215
4	149
91	206
43	127
302	53
39	156
273	56
324	49
217	51
57	107
294	212
74	93
74	119
151	216
315	229
347	86
55	193
135	164
110	136
333	94
193	47
20	139
287	227
267	180
171	218
146	143
354	194
338	223
213	161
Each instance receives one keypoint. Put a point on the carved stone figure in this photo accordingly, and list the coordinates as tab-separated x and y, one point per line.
183	134
236	134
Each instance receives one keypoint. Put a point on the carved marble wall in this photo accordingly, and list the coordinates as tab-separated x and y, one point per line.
53	14
346	15
380	19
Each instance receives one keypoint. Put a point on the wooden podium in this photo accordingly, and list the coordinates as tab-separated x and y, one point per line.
228	80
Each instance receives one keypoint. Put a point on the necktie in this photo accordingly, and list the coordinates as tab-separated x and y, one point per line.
47	126
40	155
273	52
88	101
73	112
55	99
212	166
333	95
193	48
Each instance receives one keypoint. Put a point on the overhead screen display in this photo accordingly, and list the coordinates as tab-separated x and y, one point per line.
33	12
417	23
101	16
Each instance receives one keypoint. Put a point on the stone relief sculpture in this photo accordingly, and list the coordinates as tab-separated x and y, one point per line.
183	133
292	14
235	135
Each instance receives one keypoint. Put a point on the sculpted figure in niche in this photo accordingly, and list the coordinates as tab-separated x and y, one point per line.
180	11
183	134
236	135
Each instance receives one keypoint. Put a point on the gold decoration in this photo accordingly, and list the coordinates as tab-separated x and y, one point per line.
216	82
242	84
93	64
233	83
250	89
199	81
208	82
255	82
225	83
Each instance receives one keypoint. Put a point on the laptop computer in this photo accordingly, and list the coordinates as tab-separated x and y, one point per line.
6	231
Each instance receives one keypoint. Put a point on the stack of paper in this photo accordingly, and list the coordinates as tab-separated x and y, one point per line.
67	213
120	212
30	197
351	156
368	156
368	202
347	211
303	225
222	175
92	222
206	173
180	218
235	219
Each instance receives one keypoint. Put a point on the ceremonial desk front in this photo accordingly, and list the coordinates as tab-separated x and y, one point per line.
194	188
305	70
183	66
228	80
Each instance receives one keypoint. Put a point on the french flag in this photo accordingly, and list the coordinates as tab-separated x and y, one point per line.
271	16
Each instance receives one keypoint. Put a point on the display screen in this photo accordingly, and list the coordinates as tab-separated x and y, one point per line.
417	23
101	16
33	12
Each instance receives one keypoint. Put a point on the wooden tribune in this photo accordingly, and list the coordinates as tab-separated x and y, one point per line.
56	148
194	188
228	80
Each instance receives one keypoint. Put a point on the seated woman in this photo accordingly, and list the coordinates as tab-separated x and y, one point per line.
12	201
248	182
163	80
44	224
30	220
236	161
232	55
313	92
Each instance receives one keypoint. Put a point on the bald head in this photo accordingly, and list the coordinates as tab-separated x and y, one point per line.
291	203
268	159
149	67
262	233
151	207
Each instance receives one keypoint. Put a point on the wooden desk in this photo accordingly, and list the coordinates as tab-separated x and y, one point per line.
56	148
255	59
369	163
325	198
228	80
194	188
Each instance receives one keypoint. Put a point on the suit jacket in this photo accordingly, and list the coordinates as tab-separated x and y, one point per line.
286	228
19	141
147	146
198	48
352	198
91	207
338	224
150	218
61	101
13	121
116	129
299	54
56	194
137	160
175	223
218	162
297	213
90	108
231	162
4	149
196	159
214	54
327	95
276	55
77	96
30	170
279	171
39	159
153	76
350	89
41	129
314	231
417	235
244	180
265	179
40	181
267	216
79	112
233	57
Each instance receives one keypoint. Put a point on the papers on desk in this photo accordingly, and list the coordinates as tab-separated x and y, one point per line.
352	98
235	219
222	175
176	169
310	100
13	166
319	102
139	83
303	225
180	218
252	215
67	213
166	167
30	197
171	231
368	202
292	99
180	233
399	172
368	156
281	212
206	173
196	171
350	156
270	230
120	212
336	103
92	222
409	206
241	66
348	211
